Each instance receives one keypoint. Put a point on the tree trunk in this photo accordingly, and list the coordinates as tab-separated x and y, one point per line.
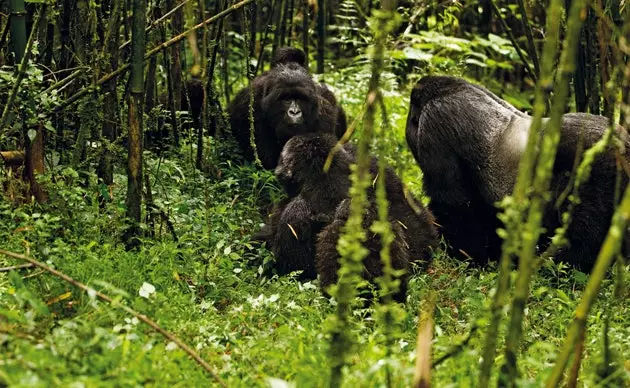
34	162
176	67
109	129
134	160
18	29
321	35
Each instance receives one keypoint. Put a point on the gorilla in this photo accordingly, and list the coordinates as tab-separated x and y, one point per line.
468	143
287	102
318	206
292	229
194	93
327	258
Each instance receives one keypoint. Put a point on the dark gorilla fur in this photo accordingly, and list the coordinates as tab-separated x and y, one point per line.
287	102
320	196
313	199
327	259
468	143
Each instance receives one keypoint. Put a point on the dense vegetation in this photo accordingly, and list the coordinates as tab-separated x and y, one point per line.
183	263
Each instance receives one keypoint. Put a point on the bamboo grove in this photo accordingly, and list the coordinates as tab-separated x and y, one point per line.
84	84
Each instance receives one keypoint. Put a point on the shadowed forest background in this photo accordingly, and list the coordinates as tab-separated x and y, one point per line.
127	208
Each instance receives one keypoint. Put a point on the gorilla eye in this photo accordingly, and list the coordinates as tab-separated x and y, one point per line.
292	96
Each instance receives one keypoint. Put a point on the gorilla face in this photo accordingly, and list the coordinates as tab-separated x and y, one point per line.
291	103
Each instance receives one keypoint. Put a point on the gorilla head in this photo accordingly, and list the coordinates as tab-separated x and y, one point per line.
291	103
287	102
289	55
468	143
301	168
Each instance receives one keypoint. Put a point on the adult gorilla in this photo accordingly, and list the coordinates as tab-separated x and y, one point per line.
287	102
468	143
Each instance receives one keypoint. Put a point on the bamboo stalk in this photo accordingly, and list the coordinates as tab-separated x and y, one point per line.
542	179
149	54
21	72
350	244
606	256
517	204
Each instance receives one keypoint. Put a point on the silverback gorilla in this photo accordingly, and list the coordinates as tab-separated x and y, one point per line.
468	143
287	102
303	230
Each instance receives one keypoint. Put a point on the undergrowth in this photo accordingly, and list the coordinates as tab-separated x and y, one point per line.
212	289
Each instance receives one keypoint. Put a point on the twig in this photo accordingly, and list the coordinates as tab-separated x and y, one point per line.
530	36
422	372
149	54
156	22
16	267
128	310
22	69
508	31
455	349
64	81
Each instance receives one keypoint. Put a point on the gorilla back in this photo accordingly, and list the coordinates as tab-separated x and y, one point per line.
468	143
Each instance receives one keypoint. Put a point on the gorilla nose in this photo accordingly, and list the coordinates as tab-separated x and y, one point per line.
295	113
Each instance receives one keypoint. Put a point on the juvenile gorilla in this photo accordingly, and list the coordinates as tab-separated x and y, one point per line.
468	143
292	229
324	194
287	102
327	259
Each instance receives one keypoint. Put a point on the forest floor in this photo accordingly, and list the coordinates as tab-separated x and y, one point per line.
208	289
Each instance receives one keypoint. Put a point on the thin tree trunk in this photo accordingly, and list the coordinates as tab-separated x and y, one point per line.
305	20
34	161
321	35
176	68
134	160
109	129
149	87
18	29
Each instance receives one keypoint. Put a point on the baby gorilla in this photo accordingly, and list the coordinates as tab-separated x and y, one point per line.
292	229
287	102
327	258
319	200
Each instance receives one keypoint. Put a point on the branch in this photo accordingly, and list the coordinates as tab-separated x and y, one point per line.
128	310
156	22
508	31
149	54
22	68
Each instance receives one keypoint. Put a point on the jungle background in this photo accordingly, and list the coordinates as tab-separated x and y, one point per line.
124	225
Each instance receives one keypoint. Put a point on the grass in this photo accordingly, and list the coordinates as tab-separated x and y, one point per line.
210	291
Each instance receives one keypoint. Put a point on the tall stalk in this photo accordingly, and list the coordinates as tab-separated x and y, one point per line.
517	205
18	29
134	159
321	35
541	181
350	244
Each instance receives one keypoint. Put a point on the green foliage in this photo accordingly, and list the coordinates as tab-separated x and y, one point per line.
211	287
31	104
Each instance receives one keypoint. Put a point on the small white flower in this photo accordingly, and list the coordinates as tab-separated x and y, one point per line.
171	346
146	290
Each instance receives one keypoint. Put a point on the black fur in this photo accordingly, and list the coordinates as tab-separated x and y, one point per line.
286	88
327	259
319	195
468	143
